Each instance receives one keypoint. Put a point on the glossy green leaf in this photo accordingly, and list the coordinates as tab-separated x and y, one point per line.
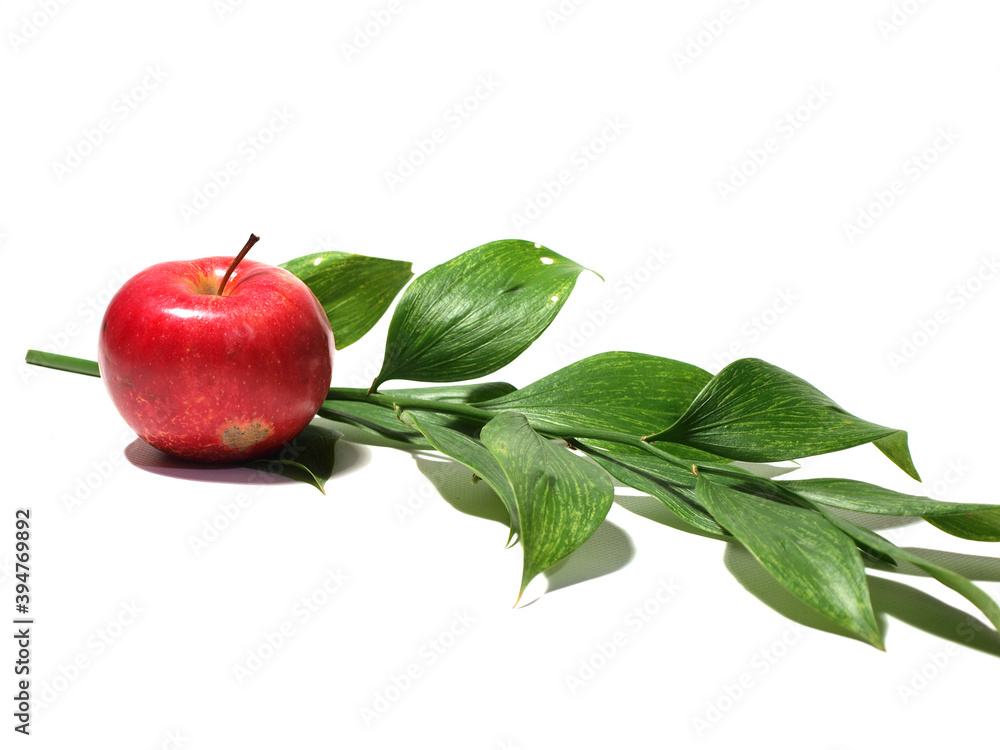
381	421
895	447
977	521
624	391
474	314
671	485
561	497
375	420
355	290
949	578
982	526
754	411
803	551
309	457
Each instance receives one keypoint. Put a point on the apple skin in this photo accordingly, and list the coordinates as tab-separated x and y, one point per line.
216	378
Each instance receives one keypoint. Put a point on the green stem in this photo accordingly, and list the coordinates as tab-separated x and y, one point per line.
408	402
62	362
481	415
474	413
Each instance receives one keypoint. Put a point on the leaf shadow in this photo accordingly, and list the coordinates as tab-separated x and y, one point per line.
608	550
921	610
753	577
973	567
652	509
890	599
453	481
875	522
360	436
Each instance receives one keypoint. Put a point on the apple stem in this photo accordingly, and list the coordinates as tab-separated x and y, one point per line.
236	261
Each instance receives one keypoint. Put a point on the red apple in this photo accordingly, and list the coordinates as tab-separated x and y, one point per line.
216	359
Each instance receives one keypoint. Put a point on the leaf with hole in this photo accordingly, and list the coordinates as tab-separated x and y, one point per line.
474	314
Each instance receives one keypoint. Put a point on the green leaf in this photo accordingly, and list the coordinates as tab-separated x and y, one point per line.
754	411
372	419
803	551
308	457
474	314
623	391
381	421
62	362
983	526
561	498
897	450
473	454
952	580
355	290
671	485
977	521
555	500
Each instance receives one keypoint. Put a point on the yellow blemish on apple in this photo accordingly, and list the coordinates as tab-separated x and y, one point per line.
241	437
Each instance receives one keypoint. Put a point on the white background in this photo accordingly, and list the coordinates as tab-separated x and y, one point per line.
767	266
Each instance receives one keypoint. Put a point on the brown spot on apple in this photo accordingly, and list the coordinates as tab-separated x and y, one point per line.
241	437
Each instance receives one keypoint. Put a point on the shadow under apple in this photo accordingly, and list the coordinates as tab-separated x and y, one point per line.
349	457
